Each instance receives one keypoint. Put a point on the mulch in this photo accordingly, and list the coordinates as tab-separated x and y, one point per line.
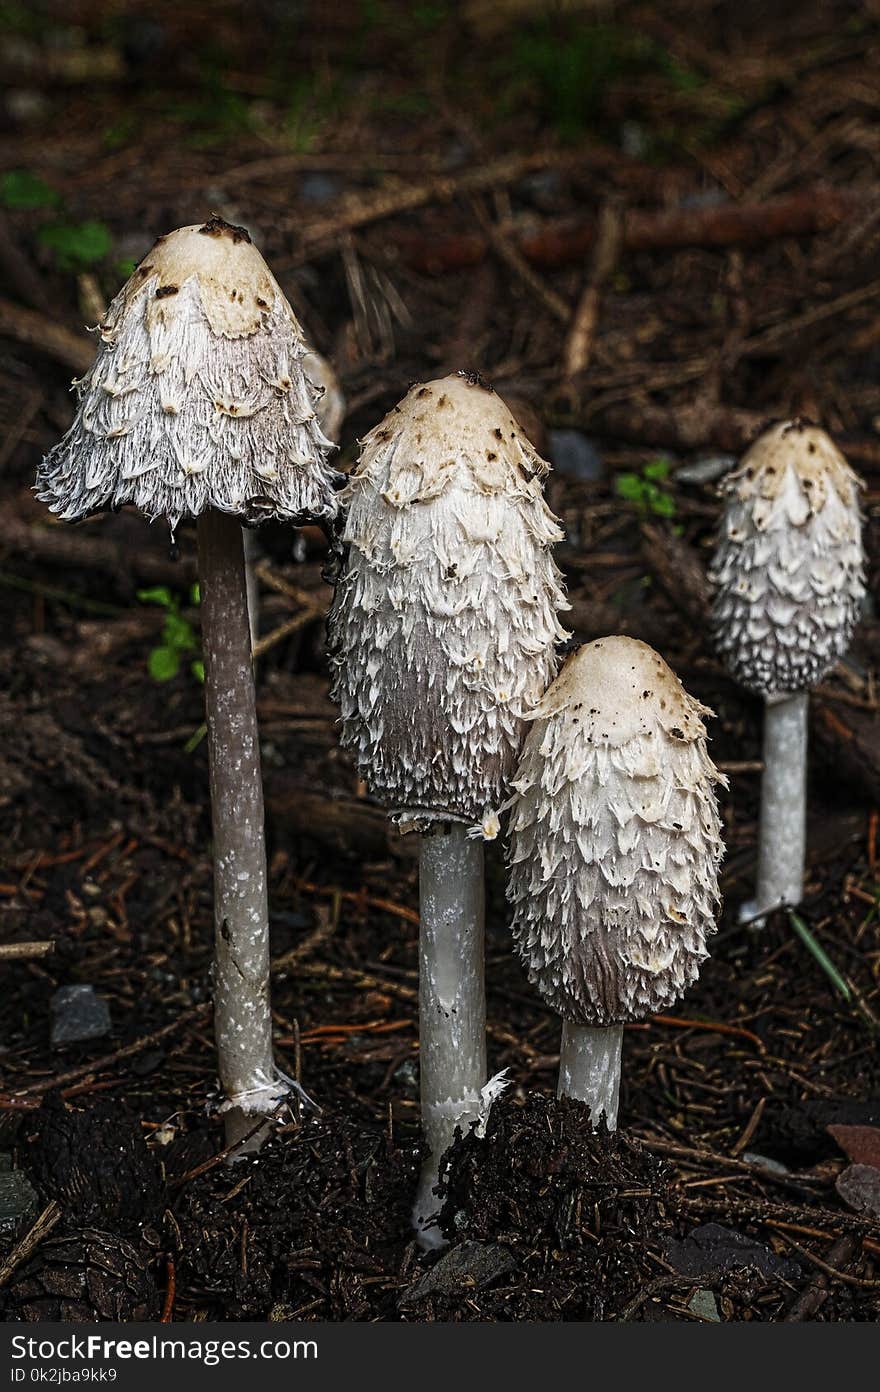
674	335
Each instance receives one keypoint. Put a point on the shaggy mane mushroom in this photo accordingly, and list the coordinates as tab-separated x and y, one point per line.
197	406
442	637
788	574
614	850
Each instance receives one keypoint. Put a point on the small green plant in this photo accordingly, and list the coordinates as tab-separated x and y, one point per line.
20	189
647	489
77	246
178	636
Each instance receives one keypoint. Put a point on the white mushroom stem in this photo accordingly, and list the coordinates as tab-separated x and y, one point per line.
242	1019
589	1069
782	834
452	1004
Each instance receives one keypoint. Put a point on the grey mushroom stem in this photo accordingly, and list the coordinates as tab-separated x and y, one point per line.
782	832
242	1018
589	1069
452	1004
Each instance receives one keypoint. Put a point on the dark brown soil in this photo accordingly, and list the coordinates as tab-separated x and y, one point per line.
717	1199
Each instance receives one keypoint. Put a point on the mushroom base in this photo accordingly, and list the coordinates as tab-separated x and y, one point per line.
589	1069
452	1004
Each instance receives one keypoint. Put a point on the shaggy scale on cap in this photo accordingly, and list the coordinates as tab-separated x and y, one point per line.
789	566
444	624
615	840
197	398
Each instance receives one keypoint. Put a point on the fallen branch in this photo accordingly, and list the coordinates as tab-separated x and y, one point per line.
34	330
581	335
31	1240
10	952
704	424
358	209
566	241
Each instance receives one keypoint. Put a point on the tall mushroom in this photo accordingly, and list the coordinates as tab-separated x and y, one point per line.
442	636
614	851
788	574
197	407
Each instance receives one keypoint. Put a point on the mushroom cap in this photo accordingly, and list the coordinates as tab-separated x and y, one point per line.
788	570
615	840
444	623
198	396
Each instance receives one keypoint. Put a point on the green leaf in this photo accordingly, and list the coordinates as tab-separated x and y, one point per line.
198	670
164	663
195	594
21	189
195	739
661	504
77	246
178	633
630	487
159	594
820	954
657	469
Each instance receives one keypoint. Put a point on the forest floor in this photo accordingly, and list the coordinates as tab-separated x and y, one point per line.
652	229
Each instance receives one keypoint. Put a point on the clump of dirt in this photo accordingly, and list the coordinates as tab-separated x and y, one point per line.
574	1208
319	1217
96	1164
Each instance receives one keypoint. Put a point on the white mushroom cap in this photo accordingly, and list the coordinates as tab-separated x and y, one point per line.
788	569
197	398
444	624
615	840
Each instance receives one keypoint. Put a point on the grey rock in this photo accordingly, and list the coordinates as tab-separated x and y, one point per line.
712	1250
471	1266
704	1304
706	470
859	1187
318	187
575	456
18	1200
78	1014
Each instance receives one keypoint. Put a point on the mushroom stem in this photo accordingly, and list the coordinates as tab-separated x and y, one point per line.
452	1003
242	1019
782	834
589	1069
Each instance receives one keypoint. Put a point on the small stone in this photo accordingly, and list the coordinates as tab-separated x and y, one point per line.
18	1200
859	1187
78	1014
317	187
469	1267
704	1304
575	456
407	1075
707	470
764	1162
712	1249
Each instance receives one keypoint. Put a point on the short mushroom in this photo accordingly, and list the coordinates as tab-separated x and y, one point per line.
788	574
197	407
443	633
614	851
